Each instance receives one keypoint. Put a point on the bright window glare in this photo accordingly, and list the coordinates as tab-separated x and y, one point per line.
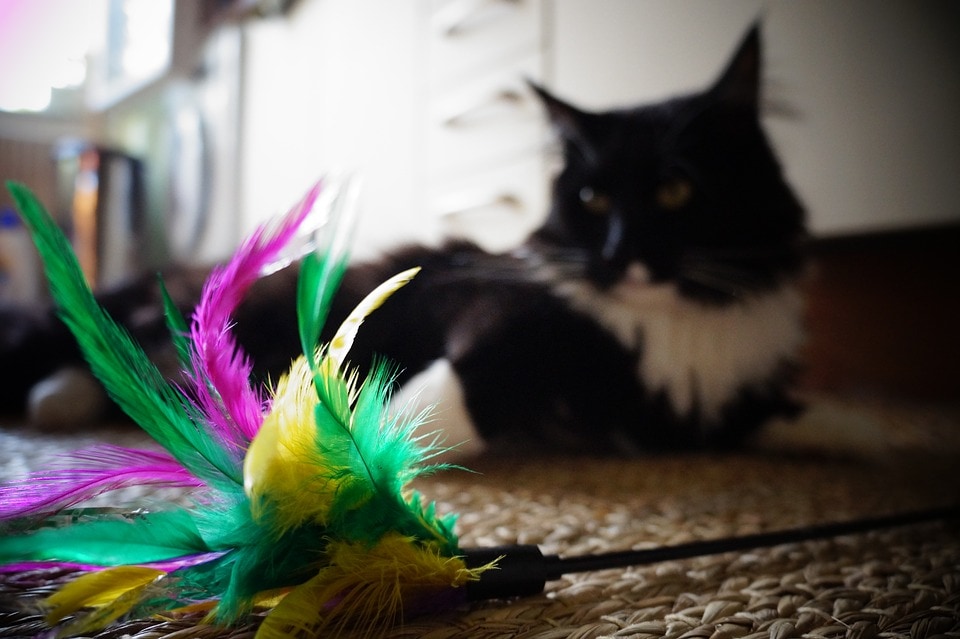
146	27
44	45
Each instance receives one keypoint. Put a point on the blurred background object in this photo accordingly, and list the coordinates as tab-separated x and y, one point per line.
101	204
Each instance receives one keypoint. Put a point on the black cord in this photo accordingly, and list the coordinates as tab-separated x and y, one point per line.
524	570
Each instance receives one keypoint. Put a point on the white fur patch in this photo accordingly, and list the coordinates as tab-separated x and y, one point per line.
437	389
700	355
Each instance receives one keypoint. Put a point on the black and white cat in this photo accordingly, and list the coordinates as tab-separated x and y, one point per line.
655	308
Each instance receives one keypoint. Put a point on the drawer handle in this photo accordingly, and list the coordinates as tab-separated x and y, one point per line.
462	16
504	200
503	97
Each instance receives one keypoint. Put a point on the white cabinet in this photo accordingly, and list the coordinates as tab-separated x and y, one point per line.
485	133
467	36
338	85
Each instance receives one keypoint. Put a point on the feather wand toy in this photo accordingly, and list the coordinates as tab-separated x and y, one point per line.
299	499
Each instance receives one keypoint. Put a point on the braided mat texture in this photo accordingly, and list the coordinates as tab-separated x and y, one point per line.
899	582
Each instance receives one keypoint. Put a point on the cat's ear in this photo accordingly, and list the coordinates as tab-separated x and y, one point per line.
565	118
569	122
739	84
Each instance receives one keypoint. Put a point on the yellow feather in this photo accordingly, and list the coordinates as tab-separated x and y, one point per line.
194	608
100	589
281	462
365	589
343	339
102	616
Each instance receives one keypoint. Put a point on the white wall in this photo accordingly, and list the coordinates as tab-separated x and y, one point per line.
625	52
875	143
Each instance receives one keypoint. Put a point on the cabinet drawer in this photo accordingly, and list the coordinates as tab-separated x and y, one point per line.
493	119
467	36
497	208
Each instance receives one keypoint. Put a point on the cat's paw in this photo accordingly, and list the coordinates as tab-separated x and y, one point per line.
33	346
829	428
69	398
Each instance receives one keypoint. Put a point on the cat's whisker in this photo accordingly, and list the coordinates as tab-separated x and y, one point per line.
742	273
739	253
718	285
553	255
523	266
727	279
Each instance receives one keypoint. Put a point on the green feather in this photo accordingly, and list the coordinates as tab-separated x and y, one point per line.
322	270
377	456
117	361
118	540
177	324
319	280
255	561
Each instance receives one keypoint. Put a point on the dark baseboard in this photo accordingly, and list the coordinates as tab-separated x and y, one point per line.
883	312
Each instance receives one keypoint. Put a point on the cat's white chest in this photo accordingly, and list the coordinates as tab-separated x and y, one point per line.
699	355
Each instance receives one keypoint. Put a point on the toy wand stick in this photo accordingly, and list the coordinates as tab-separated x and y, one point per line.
524	569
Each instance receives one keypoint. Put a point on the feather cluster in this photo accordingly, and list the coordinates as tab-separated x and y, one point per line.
298	498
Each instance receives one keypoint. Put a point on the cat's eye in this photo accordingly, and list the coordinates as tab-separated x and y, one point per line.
596	203
674	194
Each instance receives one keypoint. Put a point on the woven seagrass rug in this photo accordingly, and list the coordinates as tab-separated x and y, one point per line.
843	461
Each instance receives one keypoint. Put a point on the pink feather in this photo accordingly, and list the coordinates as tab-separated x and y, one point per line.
221	371
167	566
93	471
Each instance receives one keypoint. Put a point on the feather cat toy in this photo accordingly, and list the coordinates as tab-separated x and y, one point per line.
298	500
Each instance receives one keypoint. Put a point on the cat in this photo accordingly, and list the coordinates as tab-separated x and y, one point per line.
657	307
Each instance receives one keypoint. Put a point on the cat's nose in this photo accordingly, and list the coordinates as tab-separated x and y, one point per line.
613	245
637	274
